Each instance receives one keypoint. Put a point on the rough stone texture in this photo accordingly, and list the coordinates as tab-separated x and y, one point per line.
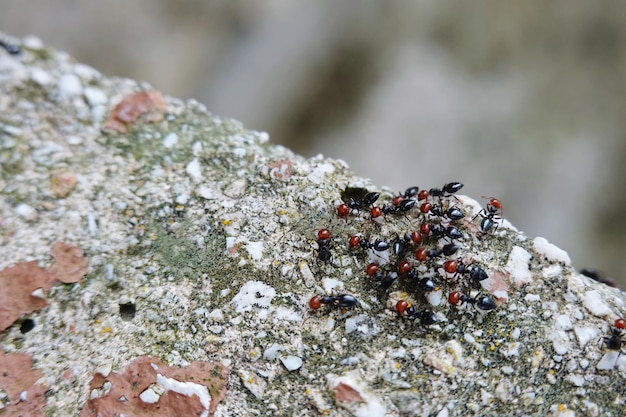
201	243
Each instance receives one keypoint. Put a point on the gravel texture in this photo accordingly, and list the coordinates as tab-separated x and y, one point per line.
202	242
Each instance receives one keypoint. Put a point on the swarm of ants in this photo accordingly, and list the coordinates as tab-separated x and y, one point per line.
424	257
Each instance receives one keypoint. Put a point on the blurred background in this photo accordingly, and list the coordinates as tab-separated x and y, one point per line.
522	100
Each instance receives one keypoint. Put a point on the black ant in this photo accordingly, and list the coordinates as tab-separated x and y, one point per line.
323	245
367	200
480	301
489	214
454	213
400	245
11	48
447	190
340	301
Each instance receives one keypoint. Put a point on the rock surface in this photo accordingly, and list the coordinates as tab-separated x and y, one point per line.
203	251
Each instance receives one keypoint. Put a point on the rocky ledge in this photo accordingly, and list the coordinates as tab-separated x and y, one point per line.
156	259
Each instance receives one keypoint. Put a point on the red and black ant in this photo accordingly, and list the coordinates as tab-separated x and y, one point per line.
378	245
476	273
323	245
616	339
445	191
480	301
489	214
406	309
340	301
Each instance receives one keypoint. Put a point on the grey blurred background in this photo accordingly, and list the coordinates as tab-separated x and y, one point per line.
522	100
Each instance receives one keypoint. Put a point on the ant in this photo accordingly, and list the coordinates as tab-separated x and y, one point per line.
367	200
399	245
451	232
616	339
598	276
340	301
406	309
11	48
323	243
476	273
454	213
447	190
344	209
489	214
378	245
480	301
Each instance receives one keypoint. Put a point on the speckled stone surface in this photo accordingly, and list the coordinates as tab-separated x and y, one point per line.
201	241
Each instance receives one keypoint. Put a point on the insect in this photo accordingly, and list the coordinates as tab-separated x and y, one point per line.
422	254
451	232
475	272
616	339
598	276
378	245
343	210
406	309
340	301
454	213
489	214
399	245
10	47
447	190
367	200
323	245
480	301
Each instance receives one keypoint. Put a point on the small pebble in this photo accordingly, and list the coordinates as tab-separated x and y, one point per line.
70	86
291	363
26	212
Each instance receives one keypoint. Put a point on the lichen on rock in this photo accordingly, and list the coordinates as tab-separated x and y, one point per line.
212	235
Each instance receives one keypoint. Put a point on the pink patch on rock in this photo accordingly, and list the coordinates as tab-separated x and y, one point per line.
345	393
127	386
17	377
280	170
17	283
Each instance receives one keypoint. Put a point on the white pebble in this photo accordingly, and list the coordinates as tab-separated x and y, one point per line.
32	42
332	286
576	380
550	251
194	170
291	363
255	250
149	396
26	212
170	140
608	361
41	77
95	96
563	322
518	266
532	297
592	300
70	86
253	293
560	342
585	334
272	351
